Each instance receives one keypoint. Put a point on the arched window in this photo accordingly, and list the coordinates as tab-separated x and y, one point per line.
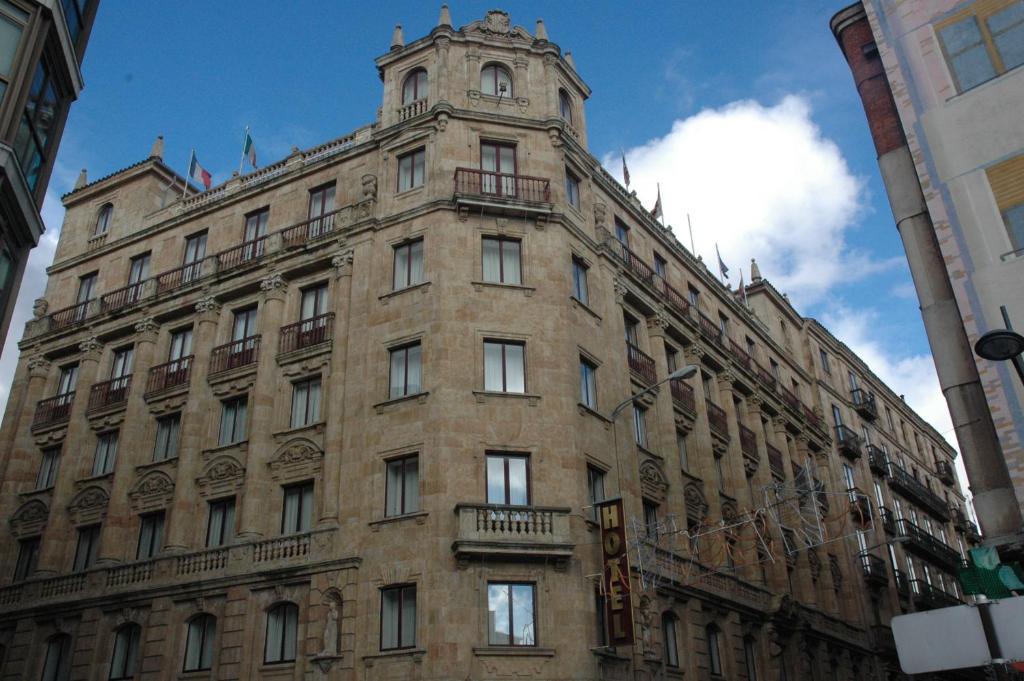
565	106
414	87
202	629
103	219
125	659
282	632
713	635
496	80
670	639
57	663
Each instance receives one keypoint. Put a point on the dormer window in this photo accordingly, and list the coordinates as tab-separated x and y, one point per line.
103	219
496	80
565	106
415	87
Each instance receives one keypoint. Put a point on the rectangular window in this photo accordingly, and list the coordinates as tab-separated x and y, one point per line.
723	324
195	253
750	657
138	269
181	344
650	519
502	260
508	479
68	379
220	529
511	618
321	209
588	384
306	402
411	168
256	224
825	366
297	513
498	161
87	548
504	367
668	629
47	475
12	23
168	430
106	452
640	425
595	489
684	459
151	536
406	371
580	290
660	266
984	44
621	232
572	190
28	558
966	53
233	420
694	296
244	324
35	139
408	265
86	288
402	493
398	617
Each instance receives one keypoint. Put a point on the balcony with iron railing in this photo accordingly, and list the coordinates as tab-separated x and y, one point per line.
874	570
877	460
179	277
748	443
69	317
909	486
765	376
309	231
718	420
860	506
710	330
641	364
234	355
775	462
675	300
169	375
502	192
489	531
930	597
848	443
944	471
902	583
888	520
682	396
109	394
925	545
864	403
122	298
740	356
53	411
246	252
306	333
634	263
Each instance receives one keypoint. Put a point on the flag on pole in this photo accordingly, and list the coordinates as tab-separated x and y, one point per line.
656	211
721	265
625	170
199	173
741	292
249	149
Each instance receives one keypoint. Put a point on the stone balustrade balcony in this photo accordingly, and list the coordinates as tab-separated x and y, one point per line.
512	532
413	109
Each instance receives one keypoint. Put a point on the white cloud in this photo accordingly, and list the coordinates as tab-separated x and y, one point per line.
763	183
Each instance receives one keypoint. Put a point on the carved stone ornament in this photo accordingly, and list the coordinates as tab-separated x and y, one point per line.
620	289
652	481
39	308
30	518
730	514
658	321
696	504
369	187
38	366
814	562
223	474
750	466
837	571
155	490
646	626
146	325
295	459
89	505
209	305
90	346
600	213
497	21
274	283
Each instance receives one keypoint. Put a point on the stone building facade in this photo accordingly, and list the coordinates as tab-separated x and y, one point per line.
40	57
347	417
941	82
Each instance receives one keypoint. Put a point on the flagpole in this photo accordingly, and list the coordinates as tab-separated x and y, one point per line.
241	161
188	171
661	206
693	251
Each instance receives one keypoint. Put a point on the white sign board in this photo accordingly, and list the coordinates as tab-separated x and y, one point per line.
1008	623
947	638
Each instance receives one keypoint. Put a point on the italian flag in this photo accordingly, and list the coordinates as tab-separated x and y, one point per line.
199	173
249	150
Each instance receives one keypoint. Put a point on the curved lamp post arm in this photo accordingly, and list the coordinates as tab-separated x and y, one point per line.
683	372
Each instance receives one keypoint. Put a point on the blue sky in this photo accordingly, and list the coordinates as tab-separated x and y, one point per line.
674	84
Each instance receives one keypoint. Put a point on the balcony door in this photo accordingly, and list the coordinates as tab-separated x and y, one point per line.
243	346
498	161
68	378
255	230
321	203
195	253
313	307
120	374
138	272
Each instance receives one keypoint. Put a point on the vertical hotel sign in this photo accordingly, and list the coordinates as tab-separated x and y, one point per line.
618	599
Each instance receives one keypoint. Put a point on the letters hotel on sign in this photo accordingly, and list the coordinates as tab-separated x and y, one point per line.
618	598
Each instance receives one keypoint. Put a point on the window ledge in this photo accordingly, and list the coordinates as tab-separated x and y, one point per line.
419	516
423	286
415	653
483	396
528	291
580	305
650	452
288	433
402	193
272	667
609	652
170	461
201	674
36	492
89	479
420	398
584	410
513	651
240	447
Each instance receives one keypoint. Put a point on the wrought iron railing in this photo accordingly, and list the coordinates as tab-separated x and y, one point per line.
476	182
235	354
247	251
310	230
53	410
641	364
169	375
682	395
109	393
307	333
717	419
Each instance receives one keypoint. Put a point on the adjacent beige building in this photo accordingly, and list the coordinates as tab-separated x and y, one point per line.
942	86
346	417
42	43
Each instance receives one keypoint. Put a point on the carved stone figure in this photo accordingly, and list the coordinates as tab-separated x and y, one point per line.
369	187
331	630
497	22
646	622
39	308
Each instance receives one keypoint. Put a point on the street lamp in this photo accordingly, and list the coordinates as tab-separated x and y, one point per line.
1001	345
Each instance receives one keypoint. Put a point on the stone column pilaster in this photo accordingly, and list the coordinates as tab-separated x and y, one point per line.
59	537
200	410
335	392
664	422
734	482
254	522
441	45
117	543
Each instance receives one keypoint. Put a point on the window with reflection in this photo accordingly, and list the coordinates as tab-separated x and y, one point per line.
125	658
496	80
282	633
510	615
202	630
415	86
508	480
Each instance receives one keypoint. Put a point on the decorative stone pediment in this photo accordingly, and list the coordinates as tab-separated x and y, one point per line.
497	23
235	384
50	438
308	365
153	491
696	504
170	404
297	459
89	506
652	481
224	475
730	514
106	421
30	518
